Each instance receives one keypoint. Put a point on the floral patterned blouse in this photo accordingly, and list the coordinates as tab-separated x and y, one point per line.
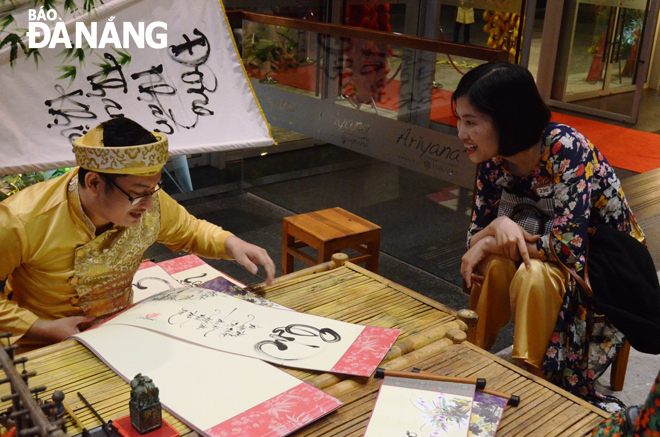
585	189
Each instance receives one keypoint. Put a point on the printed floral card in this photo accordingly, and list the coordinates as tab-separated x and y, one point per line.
215	393
409	407
487	411
284	337
151	279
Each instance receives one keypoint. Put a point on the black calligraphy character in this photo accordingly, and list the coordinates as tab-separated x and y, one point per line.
186	54
191	280
180	313
289	334
140	284
66	107
191	316
74	132
154	87
111	104
103	78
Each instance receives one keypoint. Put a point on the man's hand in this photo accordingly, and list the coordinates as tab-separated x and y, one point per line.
54	331
248	255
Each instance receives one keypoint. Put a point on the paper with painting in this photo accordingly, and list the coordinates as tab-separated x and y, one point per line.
215	393
222	322
408	407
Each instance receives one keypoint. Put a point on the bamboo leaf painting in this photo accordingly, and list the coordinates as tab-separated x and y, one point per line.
444	413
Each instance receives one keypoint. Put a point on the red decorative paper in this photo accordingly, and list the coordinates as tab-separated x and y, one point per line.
280	415
366	353
146	265
180	264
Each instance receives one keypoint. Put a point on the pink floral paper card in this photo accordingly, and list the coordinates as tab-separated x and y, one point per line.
408	407
215	393
289	338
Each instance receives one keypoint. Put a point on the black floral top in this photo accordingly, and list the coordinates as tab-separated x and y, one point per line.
577	176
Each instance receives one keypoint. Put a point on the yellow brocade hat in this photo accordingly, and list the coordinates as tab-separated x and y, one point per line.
142	160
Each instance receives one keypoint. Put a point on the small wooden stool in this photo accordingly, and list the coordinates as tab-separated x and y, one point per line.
329	231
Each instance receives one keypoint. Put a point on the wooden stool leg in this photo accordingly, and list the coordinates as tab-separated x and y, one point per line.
619	366
324	255
287	258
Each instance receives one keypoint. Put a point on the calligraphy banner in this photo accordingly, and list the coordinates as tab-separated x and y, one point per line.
172	66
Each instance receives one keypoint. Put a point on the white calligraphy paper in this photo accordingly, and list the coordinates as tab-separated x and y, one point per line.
215	393
151	279
293	339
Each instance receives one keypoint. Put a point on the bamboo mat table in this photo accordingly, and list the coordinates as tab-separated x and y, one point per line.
432	339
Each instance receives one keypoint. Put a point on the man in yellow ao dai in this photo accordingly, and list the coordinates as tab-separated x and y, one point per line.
71	246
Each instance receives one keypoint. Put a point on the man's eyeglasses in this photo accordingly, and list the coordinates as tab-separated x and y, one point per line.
138	199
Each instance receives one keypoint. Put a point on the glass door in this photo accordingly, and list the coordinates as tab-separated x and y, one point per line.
602	56
605	51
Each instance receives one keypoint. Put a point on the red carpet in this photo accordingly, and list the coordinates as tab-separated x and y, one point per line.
624	148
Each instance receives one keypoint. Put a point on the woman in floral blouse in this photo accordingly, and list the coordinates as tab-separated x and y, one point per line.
524	158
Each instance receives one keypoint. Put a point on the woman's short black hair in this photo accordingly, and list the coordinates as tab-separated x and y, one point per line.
120	132
507	94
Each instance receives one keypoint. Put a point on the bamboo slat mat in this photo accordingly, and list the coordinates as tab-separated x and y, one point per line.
353	294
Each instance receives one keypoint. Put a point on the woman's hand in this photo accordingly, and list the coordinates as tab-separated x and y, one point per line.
511	239
473	257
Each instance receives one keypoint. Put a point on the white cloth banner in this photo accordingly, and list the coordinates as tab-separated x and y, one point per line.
194	89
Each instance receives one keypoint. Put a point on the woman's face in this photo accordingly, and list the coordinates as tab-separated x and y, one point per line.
477	131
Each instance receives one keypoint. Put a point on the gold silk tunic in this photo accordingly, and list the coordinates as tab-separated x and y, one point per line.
56	265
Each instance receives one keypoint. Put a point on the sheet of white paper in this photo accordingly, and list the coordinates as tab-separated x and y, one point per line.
221	322
152	280
208	389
